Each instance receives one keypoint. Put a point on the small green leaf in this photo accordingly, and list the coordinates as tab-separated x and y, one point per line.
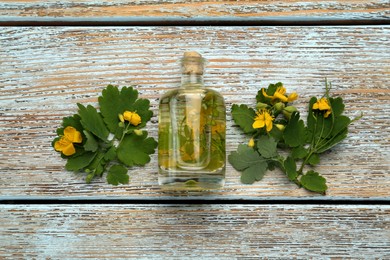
266	146
71	121
79	162
247	160
91	144
291	168
337	106
244	116
254	173
340	123
295	133
135	150
117	174
314	182
110	154
311	118
299	152
92	121
97	165
314	159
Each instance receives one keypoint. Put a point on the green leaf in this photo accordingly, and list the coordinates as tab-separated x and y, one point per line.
291	168
92	121
135	150
333	141
79	162
91	144
337	106
299	152
340	123
311	119
314	182
117	174
266	146
71	121
270	92
314	159
97	165
244	116
295	133
247	160
114	102
110	154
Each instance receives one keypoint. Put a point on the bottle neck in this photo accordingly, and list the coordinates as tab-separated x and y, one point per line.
192	80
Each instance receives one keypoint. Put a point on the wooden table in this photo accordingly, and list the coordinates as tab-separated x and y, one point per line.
54	54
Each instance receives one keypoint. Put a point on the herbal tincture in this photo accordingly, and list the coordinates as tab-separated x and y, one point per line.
192	123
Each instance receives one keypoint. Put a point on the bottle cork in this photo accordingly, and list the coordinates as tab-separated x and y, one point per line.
192	63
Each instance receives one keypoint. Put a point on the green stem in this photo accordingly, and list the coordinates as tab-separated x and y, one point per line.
124	133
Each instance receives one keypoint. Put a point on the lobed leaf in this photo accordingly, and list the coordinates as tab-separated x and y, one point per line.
266	145
314	159
135	150
90	144
117	174
337	106
92	121
247	160
244	116
291	168
79	162
114	102
295	133
314	182
299	152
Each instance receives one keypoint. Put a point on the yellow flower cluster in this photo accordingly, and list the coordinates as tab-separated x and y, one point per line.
262	119
132	117
323	105
279	95
65	144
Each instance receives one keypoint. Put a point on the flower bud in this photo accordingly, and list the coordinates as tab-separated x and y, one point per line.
261	105
251	142
121	124
279	106
280	127
287	111
121	118
138	132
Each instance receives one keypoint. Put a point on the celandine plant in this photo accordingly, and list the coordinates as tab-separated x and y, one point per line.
93	141
276	126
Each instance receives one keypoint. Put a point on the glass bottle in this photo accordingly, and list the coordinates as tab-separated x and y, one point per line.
192	126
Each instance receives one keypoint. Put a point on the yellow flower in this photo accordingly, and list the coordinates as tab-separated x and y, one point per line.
293	96
280	95
65	144
132	117
323	105
262	119
251	142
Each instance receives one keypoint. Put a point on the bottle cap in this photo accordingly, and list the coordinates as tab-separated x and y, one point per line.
192	63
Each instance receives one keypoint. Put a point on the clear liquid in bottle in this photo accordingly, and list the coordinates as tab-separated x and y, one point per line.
192	126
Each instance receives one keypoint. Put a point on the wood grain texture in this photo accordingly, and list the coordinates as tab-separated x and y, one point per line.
355	9
45	71
187	231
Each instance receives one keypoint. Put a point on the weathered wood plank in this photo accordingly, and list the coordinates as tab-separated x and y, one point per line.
46	71
187	231
356	9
